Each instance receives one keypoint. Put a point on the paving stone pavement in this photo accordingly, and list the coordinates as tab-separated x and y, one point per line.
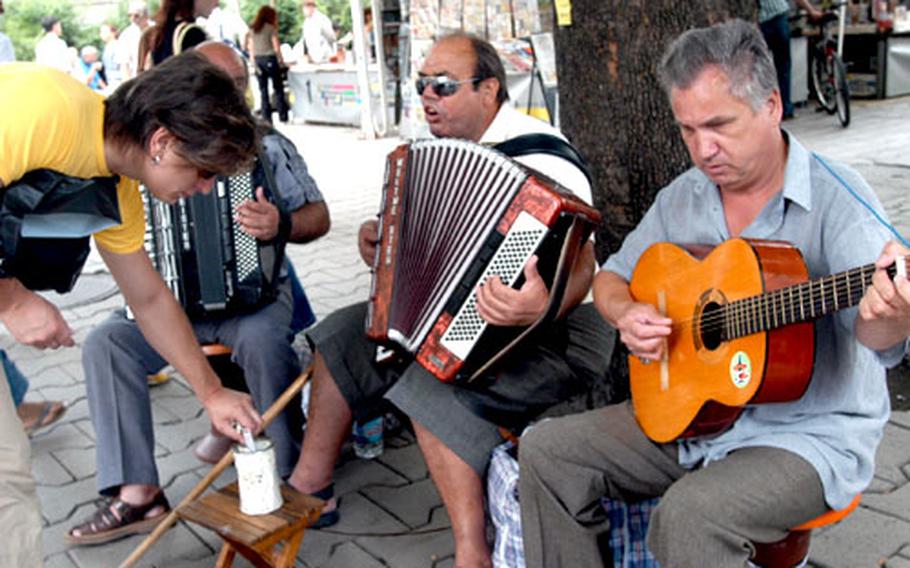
391	514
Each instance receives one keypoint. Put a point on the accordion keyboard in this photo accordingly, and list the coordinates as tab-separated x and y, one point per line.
203	254
246	249
520	243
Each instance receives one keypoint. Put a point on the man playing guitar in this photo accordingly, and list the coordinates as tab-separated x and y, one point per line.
779	464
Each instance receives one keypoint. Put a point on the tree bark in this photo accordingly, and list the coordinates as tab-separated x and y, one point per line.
612	106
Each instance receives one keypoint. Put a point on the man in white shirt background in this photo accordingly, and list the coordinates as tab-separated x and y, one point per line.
128	42
318	34
51	50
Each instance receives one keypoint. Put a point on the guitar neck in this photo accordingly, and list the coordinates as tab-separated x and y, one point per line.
799	303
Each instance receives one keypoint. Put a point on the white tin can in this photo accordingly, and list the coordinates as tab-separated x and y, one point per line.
257	478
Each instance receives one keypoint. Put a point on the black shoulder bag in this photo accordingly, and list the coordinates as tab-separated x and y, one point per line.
46	219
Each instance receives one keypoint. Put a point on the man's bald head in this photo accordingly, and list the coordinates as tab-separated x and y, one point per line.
225	57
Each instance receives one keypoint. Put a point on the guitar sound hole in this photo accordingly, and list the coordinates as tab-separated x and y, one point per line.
710	326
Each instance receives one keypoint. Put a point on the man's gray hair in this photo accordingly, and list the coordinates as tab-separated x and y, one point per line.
736	47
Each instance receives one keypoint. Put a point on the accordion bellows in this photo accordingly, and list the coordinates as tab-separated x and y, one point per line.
208	262
454	214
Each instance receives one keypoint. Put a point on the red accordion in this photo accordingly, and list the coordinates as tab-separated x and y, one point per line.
454	214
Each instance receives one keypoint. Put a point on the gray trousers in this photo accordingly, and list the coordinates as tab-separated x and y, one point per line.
532	378
117	358
20	515
708	516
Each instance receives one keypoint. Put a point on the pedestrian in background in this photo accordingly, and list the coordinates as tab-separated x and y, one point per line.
6	44
265	49
318	34
109	58
773	19
175	30
128	43
51	50
88	70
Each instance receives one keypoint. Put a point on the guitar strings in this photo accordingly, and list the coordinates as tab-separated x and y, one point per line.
745	313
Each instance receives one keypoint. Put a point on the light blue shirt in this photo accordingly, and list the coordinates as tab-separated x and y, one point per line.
768	9
7	53
837	425
293	181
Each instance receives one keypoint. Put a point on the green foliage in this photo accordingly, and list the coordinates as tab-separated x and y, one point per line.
22	24
339	11
119	19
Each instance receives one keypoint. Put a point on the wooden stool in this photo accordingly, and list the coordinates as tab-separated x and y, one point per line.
219	357
794	548
230	373
255	537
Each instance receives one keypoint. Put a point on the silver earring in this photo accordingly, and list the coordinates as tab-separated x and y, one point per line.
156	159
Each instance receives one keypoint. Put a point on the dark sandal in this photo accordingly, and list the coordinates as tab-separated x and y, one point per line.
105	526
327	518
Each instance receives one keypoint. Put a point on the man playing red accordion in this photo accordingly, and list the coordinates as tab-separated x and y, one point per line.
463	91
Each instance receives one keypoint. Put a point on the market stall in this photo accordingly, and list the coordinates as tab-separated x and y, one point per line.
330	94
404	31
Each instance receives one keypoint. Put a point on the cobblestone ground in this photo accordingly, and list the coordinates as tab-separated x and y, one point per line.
391	514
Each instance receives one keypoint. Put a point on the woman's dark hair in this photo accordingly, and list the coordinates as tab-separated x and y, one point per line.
265	15
170	11
196	102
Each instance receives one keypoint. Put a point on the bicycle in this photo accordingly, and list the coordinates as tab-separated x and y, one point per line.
826	66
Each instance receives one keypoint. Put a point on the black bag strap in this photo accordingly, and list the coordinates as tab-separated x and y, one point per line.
540	143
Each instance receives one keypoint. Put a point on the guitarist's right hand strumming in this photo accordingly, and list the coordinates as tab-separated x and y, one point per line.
644	331
641	327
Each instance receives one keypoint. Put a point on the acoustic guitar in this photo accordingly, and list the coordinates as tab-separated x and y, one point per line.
742	331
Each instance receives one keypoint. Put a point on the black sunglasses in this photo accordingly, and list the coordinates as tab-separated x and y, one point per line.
442	85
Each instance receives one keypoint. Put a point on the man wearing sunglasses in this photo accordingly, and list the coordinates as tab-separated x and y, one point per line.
463	91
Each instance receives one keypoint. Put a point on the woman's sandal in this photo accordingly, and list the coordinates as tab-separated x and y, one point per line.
116	519
36	416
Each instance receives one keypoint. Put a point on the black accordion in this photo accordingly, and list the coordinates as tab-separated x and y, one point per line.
454	214
202	254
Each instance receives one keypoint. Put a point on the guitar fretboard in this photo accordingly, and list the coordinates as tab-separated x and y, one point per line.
798	303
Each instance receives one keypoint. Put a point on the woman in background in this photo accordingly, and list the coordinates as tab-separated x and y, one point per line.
175	30
262	43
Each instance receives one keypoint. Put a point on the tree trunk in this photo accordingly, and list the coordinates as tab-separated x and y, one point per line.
612	106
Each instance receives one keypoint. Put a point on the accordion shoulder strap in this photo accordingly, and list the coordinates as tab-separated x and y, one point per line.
540	143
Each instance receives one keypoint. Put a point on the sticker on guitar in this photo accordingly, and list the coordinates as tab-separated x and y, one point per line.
741	370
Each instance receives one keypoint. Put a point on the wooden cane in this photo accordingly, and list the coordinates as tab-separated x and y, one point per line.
225	461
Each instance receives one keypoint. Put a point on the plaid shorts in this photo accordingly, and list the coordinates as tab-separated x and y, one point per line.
628	521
